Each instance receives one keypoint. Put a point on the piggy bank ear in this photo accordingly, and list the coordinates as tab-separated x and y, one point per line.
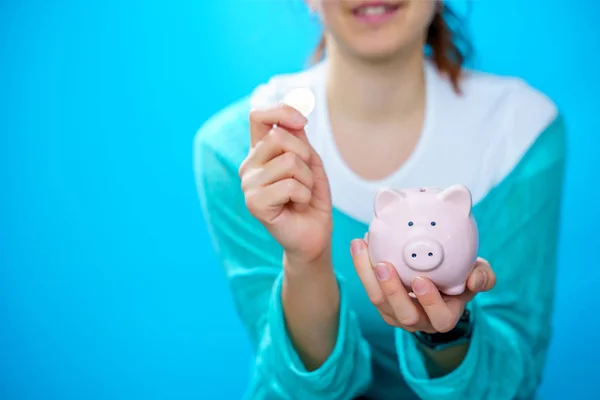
458	195
385	197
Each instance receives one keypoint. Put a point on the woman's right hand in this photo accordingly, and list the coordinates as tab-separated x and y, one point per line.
285	185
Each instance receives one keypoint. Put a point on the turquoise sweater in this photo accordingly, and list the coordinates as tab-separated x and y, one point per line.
518	222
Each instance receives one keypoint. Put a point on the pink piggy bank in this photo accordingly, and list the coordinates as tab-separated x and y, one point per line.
426	232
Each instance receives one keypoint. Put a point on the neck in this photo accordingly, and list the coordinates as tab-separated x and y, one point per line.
389	91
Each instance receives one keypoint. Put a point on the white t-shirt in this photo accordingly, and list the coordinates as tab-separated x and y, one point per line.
476	148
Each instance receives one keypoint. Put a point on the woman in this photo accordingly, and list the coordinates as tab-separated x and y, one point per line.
286	197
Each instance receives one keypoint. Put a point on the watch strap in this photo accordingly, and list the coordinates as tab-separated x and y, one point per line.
461	333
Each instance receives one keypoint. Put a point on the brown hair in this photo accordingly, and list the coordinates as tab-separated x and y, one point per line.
442	43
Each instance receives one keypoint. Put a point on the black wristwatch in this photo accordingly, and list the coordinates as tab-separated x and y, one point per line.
461	333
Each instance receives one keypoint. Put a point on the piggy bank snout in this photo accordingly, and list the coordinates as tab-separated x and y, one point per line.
423	254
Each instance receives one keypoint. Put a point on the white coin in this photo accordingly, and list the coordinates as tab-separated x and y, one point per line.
302	99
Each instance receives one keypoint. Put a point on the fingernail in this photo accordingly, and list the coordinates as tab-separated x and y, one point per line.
382	272
356	247
480	280
419	286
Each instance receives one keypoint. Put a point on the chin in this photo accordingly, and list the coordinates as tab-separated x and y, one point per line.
376	51
381	50
383	43
373	57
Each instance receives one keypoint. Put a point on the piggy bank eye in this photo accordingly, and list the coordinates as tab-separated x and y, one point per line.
410	223
433	223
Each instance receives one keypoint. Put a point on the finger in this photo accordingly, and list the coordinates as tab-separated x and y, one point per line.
321	190
387	314
441	317
263	200
287	165
389	317
482	278
364	269
406	312
262	120
457	305
276	143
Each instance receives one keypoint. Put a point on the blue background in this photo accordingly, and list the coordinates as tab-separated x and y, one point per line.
109	287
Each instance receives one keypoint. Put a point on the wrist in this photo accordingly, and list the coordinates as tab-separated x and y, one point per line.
315	279
459	335
445	352
295	265
312	286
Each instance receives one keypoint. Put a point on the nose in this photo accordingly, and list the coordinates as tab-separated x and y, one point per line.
423	254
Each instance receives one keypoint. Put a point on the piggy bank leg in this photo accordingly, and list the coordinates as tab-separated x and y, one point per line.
366	238
455	290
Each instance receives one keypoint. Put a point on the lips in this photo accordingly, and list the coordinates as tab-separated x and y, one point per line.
375	8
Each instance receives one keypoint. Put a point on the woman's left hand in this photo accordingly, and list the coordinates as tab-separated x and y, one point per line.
431	311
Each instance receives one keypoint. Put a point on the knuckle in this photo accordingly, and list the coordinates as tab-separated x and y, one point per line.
245	183
277	136
409	321
290	186
257	148
310	181
290	161
389	320
392	290
305	195
247	179
427	301
259	144
308	154
411	329
304	152
377	299
445	325
251	201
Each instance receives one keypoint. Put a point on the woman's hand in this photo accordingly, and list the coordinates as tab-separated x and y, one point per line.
285	184
430	311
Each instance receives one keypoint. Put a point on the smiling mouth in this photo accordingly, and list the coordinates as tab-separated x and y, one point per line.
376	9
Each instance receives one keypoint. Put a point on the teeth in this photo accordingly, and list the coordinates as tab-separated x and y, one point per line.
372	10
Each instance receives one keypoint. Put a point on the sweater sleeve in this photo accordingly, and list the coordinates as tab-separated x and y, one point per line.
252	261
519	225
